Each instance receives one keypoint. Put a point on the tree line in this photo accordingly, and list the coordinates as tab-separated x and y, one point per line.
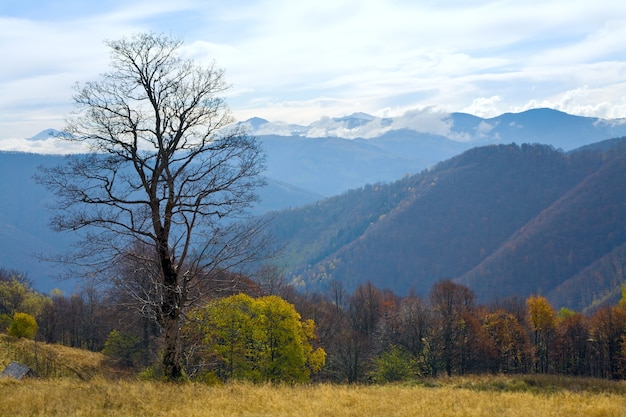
374	335
369	335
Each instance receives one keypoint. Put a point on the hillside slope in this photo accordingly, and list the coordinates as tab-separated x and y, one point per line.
584	225
48	360
503	219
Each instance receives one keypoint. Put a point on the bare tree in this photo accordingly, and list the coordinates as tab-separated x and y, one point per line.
450	303
167	170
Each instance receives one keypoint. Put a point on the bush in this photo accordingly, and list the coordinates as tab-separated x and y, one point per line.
394	365
23	325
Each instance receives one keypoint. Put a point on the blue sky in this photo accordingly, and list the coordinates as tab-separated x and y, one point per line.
297	61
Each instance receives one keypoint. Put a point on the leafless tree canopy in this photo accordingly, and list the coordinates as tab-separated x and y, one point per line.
167	170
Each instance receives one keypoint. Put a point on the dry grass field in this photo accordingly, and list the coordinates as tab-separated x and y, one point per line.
53	361
100	397
81	385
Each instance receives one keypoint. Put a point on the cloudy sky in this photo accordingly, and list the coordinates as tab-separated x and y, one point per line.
296	61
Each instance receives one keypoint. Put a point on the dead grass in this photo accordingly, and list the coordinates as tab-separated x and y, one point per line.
100	397
84	386
53	361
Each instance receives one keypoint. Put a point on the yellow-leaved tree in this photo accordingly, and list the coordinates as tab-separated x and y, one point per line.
262	339
542	321
23	325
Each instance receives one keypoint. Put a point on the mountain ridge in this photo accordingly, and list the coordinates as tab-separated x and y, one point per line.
453	220
462	127
370	153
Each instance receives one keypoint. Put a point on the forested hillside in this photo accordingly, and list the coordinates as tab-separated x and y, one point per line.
585	225
502	219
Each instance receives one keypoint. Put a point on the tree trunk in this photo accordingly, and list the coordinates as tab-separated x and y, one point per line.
171	315
172	368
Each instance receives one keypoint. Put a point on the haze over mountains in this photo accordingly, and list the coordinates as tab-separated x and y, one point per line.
481	216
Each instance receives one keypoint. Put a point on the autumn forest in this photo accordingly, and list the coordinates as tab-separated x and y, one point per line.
369	335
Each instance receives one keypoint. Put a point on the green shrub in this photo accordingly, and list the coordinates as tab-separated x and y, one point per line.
394	365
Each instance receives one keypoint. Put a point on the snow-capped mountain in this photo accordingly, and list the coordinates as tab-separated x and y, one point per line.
547	126
333	155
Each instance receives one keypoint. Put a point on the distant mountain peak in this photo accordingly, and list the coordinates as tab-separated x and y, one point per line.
49	134
355	116
539	125
256	122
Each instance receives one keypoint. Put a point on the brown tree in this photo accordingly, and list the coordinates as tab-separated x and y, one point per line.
508	341
571	344
366	306
607	329
451	303
79	320
165	167
414	330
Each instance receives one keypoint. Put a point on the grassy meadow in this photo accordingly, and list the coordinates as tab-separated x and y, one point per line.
100	397
81	384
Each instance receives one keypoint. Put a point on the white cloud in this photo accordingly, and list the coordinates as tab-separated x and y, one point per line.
47	146
295	111
298	61
484	107
427	120
339	127
605	102
605	42
483	129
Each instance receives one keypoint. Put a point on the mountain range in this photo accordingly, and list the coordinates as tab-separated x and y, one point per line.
334	155
341	166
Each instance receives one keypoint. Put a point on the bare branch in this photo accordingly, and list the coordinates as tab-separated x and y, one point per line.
167	174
